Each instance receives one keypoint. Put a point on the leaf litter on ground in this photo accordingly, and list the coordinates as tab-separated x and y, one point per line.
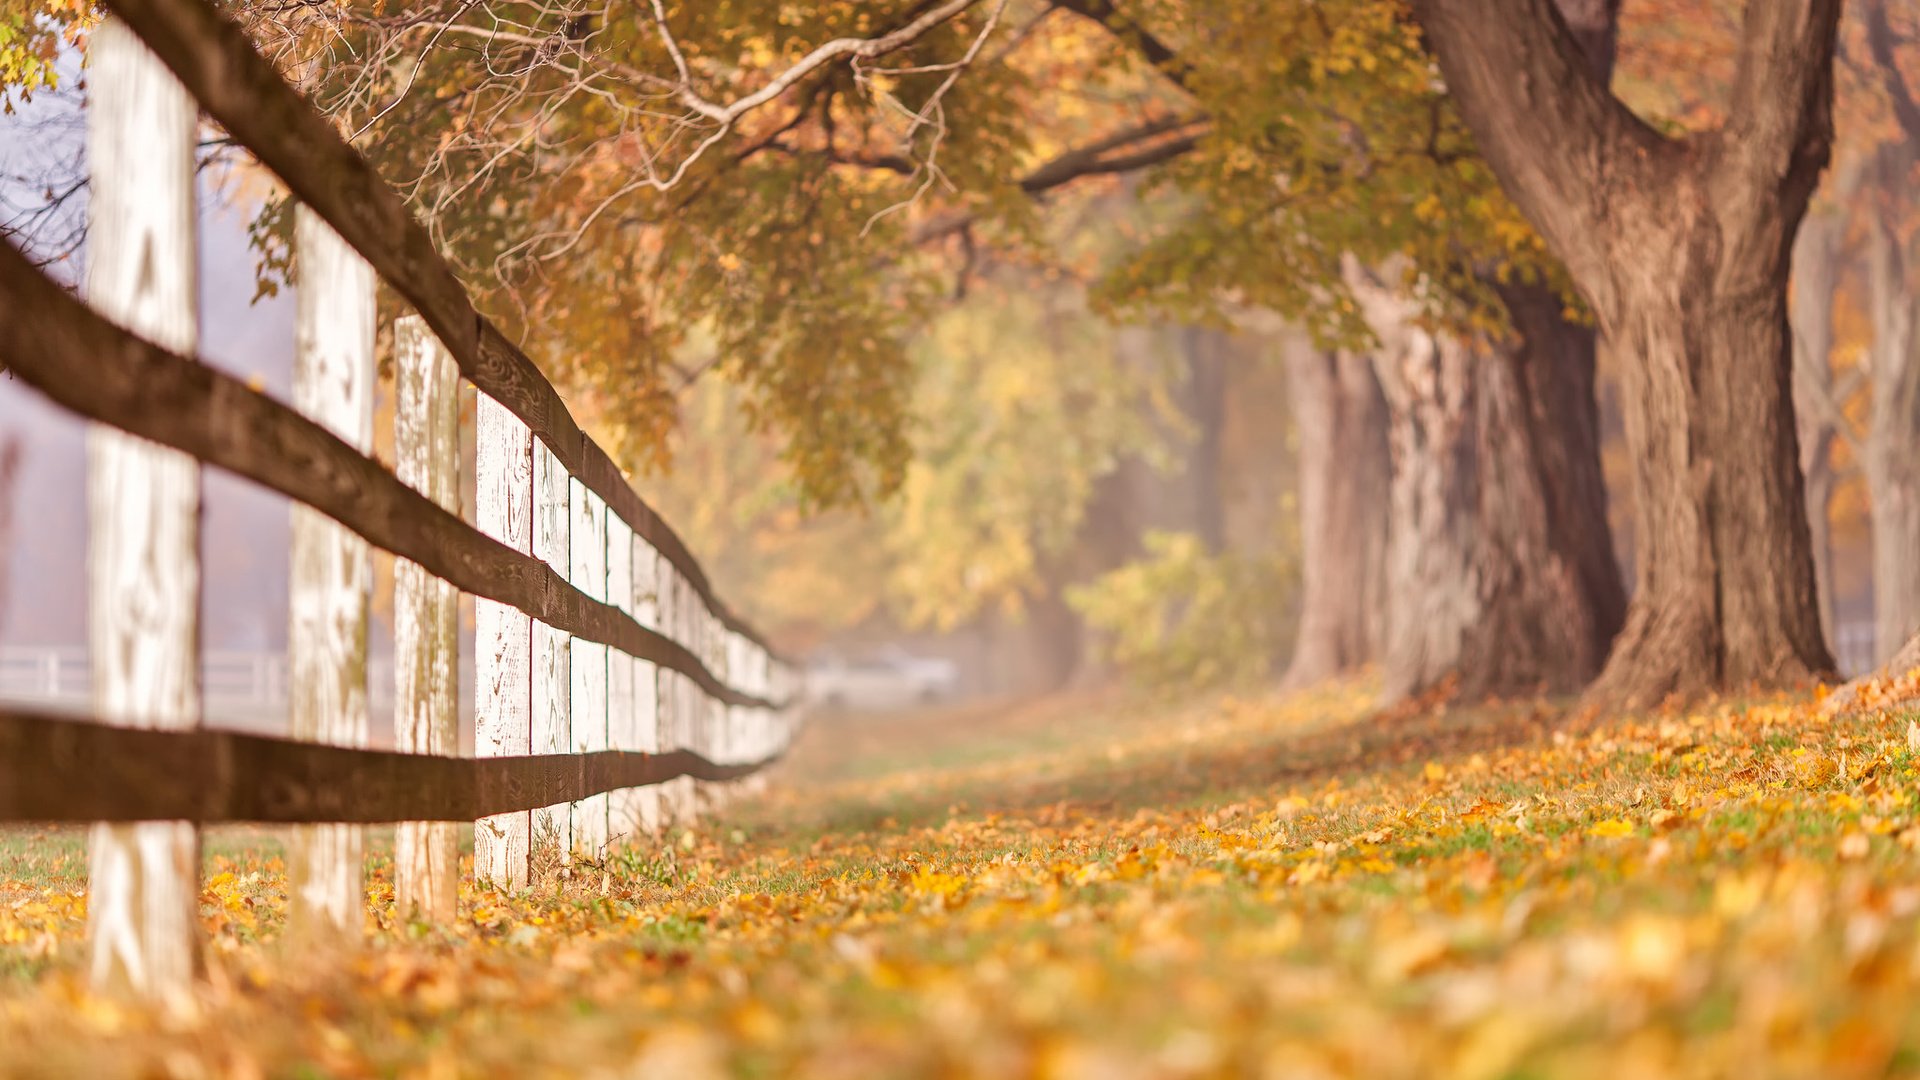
1092	887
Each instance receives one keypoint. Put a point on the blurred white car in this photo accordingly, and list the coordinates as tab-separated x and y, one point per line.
890	679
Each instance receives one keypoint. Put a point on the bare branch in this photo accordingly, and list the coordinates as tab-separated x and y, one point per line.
854	48
1177	135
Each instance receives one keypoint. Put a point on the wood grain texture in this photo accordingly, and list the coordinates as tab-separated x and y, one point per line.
143	561
55	344
683	793
623	723
239	88
426	612
552	648
648	807
331	570
587	665
503	636
59	769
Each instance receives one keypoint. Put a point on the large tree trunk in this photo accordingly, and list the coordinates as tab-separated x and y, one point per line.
1681	247
1892	452
1727	593
1501	568
1341	419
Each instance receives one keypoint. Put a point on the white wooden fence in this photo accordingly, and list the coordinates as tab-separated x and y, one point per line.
603	660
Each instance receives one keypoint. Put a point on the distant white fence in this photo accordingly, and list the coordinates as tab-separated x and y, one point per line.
244	690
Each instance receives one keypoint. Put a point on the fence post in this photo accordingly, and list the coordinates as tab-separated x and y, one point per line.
332	568
551	834
623	724
143	556
702	706
503	635
713	712
732	716
426	443
757	718
673	793
588	714
648	813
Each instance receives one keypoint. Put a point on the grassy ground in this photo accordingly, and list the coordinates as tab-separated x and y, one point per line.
1096	888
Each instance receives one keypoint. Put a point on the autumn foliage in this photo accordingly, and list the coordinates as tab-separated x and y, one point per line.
1291	887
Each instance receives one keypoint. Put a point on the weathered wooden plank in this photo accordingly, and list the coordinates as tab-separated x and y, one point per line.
143	561
552	649
240	89
426	611
587	714
681	794
699	705
668	720
54	768
649	812
735	733
53	343
503	636
623	724
706	741
331	568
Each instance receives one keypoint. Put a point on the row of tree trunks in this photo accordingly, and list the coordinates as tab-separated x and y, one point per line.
1893	477
1885	448
1681	247
1892	467
1340	417
1501	569
1816	263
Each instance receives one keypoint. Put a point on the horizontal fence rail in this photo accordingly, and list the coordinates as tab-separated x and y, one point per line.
57	345
613	692
92	772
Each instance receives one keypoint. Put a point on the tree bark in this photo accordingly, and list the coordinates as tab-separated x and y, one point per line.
1340	416
1501	568
1681	247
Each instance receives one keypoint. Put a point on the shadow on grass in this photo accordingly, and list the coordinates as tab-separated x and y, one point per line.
1130	775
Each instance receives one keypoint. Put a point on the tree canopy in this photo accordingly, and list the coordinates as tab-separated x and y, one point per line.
648	193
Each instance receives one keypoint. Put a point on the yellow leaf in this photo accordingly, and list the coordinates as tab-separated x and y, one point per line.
1612	827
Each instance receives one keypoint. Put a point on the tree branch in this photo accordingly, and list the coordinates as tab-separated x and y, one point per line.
1780	113
854	48
1166	59
1092	159
1177	134
1561	144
